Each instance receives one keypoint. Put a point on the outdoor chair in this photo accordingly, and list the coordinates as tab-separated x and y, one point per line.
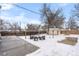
43	37
31	37
35	38
40	38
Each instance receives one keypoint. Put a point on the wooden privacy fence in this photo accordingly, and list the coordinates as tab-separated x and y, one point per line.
67	32
21	33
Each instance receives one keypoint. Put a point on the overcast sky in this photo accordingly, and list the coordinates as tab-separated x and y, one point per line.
11	13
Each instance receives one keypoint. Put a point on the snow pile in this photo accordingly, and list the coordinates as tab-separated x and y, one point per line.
50	46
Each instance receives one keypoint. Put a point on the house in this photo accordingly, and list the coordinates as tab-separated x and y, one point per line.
55	31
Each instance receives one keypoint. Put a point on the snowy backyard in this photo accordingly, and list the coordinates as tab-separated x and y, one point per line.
39	29
51	47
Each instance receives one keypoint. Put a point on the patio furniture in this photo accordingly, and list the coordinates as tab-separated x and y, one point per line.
35	38
43	37
31	37
40	38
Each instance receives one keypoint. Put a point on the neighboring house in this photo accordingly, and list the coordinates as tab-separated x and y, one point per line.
55	31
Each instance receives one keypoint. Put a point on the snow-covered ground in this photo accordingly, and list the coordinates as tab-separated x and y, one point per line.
50	46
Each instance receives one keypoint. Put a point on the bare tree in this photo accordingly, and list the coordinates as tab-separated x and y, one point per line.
52	18
2	24
72	23
15	27
75	14
33	26
76	10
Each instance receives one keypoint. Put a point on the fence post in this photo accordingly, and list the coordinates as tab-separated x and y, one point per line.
25	32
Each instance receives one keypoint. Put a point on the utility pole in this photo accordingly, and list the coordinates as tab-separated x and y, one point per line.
20	26
0	7
25	32
0	34
0	13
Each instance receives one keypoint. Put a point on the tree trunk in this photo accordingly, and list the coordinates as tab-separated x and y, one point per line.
48	29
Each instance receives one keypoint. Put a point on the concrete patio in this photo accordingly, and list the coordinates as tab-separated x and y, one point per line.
14	46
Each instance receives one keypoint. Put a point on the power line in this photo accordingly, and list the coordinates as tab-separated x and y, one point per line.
26	9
